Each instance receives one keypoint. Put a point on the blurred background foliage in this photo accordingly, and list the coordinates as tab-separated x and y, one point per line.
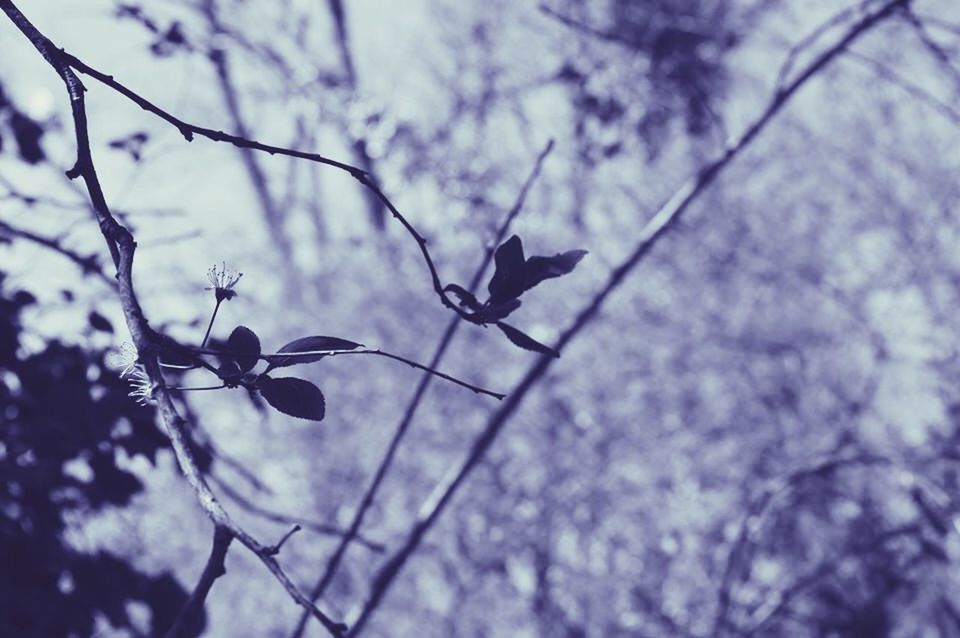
758	437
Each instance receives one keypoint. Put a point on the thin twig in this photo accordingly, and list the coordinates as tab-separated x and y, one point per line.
939	23
933	47
89	264
122	247
914	90
277	517
213	317
333	563
275	549
373	351
665	218
425	368
188	617
807	41
190	130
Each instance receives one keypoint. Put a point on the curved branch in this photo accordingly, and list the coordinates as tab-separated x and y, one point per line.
190	130
122	247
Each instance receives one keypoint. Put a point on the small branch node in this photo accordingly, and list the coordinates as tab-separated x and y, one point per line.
273	550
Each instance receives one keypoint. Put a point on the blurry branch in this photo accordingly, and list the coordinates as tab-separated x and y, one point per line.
933	47
214	569
778	604
934	21
582	27
654	610
277	517
273	215
122	246
811	38
616	37
914	90
89	264
662	221
189	131
334	562
343	42
378	213
33	200
752	520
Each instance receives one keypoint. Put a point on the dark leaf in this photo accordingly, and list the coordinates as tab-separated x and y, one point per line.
243	346
508	278
27	133
496	312
229	370
525	341
465	297
540	268
99	322
132	144
316	345
293	396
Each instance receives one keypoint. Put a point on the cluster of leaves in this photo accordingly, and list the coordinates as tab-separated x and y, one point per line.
66	414
240	353
513	276
27	132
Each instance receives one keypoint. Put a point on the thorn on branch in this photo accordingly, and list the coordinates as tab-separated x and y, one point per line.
273	550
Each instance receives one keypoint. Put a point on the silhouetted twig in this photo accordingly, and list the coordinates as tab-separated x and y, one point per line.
122	247
662	221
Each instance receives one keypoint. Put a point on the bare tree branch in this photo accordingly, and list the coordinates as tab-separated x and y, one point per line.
213	570
89	264
663	220
334	561
190	130
911	88
122	247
